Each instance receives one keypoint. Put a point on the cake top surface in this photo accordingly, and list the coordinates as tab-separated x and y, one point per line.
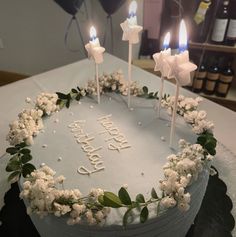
137	165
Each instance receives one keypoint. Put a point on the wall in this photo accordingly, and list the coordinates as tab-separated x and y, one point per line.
33	34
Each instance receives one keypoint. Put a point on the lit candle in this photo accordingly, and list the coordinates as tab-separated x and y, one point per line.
93	37
160	60
182	37
95	52
131	33
179	68
132	19
166	41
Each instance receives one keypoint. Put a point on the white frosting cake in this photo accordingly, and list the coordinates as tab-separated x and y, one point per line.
110	158
110	146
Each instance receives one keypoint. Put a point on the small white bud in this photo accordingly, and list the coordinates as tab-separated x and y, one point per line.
163	138
27	100
42	164
59	158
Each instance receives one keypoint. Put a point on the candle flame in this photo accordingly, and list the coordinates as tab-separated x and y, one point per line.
166	41
133	8
182	36
93	32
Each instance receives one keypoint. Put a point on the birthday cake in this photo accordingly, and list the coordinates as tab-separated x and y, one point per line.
107	170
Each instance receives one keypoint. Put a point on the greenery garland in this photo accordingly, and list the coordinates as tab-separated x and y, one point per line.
19	165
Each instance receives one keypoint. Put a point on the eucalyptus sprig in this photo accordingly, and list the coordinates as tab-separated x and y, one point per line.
74	94
148	95
151	95
19	162
109	199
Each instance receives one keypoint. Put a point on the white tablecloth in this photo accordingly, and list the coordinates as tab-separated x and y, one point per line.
12	101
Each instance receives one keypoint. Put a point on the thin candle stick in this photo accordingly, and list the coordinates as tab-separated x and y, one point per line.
97	80
160	96
172	131
129	72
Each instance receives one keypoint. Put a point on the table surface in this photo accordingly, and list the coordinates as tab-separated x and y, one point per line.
62	79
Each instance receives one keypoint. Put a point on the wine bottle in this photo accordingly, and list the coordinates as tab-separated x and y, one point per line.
225	79
220	24
231	31
212	77
201	21
199	78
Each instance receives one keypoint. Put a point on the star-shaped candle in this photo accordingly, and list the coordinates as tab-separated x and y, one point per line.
131	33
160	60
180	69
95	52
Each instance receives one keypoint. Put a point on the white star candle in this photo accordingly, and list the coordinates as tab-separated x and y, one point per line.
95	52
131	33
160	60
179	68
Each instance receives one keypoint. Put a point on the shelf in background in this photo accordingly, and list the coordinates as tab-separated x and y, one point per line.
229	101
212	47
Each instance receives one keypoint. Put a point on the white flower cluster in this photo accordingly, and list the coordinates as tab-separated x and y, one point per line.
179	172
47	102
184	104
28	125
187	107
114	82
198	121
40	189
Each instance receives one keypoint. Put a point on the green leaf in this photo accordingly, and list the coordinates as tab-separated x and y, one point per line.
77	97
201	140
74	91
154	194
62	96
140	198
126	216
62	104
26	158
135	204
208	142
27	169
21	145
144	215
13	165
145	90
151	95
68	103
210	145
101	200
65	201
124	196
14	176
58	101
12	150
111	200
15	157
25	151
211	151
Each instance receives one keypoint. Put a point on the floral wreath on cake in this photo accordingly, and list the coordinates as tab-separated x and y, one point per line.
45	192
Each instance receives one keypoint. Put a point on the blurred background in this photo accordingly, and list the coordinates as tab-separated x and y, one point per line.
37	36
